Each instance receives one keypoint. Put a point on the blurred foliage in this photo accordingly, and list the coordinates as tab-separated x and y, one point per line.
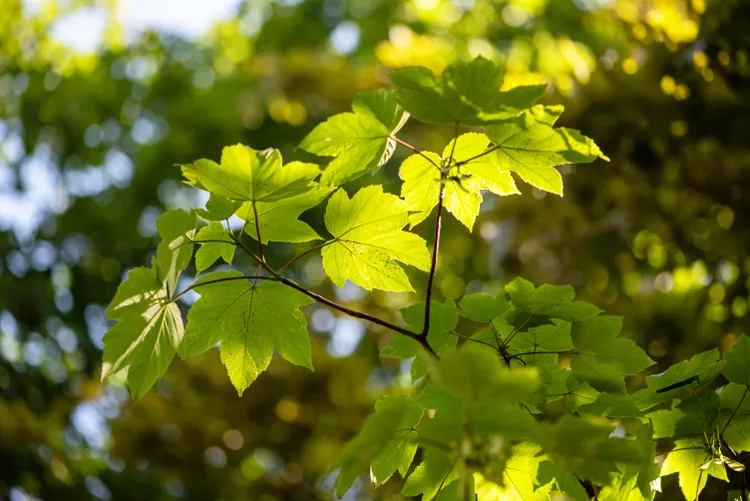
88	141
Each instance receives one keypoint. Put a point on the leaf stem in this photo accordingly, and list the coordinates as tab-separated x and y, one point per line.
219	280
302	254
470	159
469	338
415	150
433	265
245	248
734	412
515	331
257	233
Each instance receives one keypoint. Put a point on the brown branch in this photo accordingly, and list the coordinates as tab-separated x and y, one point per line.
352	313
433	265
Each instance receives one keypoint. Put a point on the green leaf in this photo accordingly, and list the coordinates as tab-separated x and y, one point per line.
579	394
551	337
640	476
495	335
249	320
250	175
423	180
475	373
532	149
616	406
279	221
705	365
519	478
176	229
381	105
421	188
737	366
691	417
384	441
443	319
686	458
148	330
602	358
218	208
735	403
467	93
360	141
437	470
563	481
458	490
584	447
548	300
136	294
209	252
482	307
507	420
475	169
368	239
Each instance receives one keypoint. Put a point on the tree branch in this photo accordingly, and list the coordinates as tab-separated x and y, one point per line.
352	313
433	265
420	338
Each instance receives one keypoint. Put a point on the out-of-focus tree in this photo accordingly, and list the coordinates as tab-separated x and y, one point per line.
87	145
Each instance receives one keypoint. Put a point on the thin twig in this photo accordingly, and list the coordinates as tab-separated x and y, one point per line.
352	313
302	254
245	248
415	150
218	280
515	331
433	265
469	338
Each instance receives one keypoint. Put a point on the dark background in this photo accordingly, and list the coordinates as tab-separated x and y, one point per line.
88	144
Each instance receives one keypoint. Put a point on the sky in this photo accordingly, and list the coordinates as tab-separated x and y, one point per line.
188	18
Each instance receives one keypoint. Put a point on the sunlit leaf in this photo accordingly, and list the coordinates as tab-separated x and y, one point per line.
216	244
467	93
532	149
368	239
278	221
249	320
246	174
360	141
